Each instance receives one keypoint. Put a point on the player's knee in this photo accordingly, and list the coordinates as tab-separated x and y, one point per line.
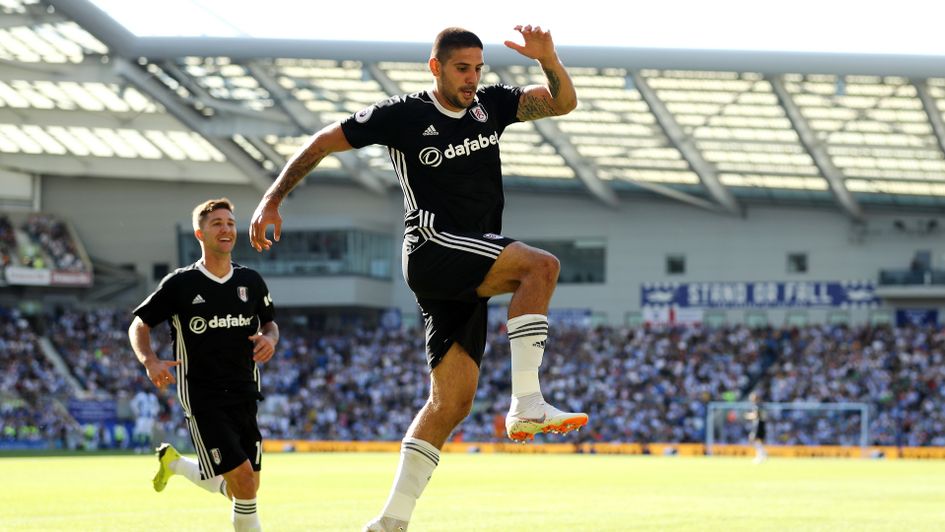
242	482
464	407
455	410
460	411
547	267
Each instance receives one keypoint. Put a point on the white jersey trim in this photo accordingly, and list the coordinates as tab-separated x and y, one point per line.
183	390
425	226
444	110
400	168
468	249
206	469
468	244
212	277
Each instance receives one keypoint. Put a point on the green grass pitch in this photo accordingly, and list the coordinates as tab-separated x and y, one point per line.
490	492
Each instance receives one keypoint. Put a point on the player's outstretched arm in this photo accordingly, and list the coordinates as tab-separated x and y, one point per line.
556	98
328	140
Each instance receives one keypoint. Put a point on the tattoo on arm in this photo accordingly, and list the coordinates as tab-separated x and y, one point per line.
297	170
533	108
554	83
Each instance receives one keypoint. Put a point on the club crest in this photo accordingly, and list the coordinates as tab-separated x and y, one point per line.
479	113
243	293
215	453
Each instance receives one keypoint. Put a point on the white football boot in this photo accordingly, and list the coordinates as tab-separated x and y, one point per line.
522	423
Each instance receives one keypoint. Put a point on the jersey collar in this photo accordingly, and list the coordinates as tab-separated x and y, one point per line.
212	277
444	110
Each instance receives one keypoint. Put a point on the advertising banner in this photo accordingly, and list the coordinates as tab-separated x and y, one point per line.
18	275
760	294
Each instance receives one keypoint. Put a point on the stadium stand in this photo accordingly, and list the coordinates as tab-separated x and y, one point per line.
73	106
41	249
94	344
643	385
898	371
33	391
55	240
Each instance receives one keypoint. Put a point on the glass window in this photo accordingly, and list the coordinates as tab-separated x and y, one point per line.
582	261
797	263
675	264
838	317
796	318
310	253
159	270
881	317
756	318
714	318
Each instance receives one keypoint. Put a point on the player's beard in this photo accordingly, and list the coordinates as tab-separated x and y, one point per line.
459	102
455	96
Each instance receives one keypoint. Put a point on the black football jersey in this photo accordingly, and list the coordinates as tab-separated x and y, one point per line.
211	320
447	162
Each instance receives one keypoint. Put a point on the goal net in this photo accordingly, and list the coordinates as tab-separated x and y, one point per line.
840	424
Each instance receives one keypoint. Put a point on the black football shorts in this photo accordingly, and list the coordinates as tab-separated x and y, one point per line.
444	269
225	437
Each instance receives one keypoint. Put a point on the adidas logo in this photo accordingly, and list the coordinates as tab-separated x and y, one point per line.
540	344
198	299
430	131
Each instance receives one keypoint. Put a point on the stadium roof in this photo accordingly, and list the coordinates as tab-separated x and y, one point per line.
80	94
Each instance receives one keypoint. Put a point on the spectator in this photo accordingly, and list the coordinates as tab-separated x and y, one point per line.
650	385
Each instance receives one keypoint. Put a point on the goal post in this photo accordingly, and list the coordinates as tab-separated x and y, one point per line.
725	423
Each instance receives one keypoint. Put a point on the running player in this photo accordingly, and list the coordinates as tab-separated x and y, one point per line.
221	318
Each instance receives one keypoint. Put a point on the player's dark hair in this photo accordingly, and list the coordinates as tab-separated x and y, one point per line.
452	39
204	209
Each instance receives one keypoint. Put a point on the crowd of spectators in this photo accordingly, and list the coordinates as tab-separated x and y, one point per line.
94	344
48	244
899	372
31	389
54	239
637	384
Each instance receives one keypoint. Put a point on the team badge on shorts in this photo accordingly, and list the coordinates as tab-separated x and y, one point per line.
215	454
492	236
479	113
243	293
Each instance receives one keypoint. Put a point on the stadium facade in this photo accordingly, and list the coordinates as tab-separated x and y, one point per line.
688	186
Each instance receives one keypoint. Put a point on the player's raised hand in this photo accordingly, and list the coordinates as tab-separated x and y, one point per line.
160	374
266	214
538	43
263	347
